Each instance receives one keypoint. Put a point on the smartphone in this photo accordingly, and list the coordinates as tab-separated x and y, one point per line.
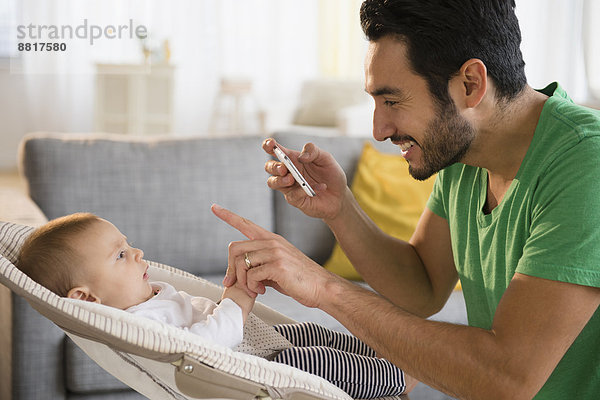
294	171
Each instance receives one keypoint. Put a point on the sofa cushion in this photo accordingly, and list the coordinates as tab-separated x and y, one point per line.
322	99
157	191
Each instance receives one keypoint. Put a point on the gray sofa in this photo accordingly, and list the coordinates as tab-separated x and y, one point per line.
158	192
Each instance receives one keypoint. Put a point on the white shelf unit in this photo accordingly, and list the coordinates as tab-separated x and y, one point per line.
134	98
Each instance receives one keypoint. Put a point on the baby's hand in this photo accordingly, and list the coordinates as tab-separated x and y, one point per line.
240	297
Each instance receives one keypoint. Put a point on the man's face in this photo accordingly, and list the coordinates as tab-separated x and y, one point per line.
431	137
114	271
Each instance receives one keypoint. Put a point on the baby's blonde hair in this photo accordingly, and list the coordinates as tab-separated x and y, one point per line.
48	255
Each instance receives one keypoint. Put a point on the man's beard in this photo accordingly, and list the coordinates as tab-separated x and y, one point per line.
447	139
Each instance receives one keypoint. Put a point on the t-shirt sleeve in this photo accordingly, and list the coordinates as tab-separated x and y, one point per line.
564	240
436	201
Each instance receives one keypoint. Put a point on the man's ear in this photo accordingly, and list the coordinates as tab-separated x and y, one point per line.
469	85
83	293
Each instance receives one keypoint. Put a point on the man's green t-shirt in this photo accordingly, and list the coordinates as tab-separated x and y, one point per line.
547	225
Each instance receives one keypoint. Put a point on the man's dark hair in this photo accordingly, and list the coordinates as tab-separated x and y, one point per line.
441	35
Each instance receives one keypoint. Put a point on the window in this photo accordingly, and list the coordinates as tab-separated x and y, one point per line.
8	24
591	37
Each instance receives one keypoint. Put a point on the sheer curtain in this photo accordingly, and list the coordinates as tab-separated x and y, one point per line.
561	42
272	42
342	44
591	46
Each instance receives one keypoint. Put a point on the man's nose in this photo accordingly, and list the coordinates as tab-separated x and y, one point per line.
383	127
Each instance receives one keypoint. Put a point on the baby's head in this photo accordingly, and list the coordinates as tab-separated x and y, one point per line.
85	257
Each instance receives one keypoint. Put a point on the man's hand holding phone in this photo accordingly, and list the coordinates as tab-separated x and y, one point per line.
294	171
310	180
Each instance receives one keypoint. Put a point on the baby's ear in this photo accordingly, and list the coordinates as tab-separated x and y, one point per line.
82	293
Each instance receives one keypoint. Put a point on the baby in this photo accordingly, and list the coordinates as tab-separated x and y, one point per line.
82	256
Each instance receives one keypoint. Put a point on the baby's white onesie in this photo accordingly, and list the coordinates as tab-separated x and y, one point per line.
221	323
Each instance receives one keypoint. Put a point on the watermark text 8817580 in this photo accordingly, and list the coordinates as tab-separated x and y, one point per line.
41	46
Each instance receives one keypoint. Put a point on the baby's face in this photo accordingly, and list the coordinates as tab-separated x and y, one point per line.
114	271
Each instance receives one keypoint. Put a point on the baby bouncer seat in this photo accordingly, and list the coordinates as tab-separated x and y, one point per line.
156	360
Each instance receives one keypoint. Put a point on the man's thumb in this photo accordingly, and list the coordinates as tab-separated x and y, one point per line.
309	153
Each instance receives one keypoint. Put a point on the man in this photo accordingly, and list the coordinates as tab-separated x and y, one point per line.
513	213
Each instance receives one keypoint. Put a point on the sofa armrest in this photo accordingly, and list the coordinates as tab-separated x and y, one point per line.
5	343
17	207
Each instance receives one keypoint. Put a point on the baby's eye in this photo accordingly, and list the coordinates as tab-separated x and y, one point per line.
121	254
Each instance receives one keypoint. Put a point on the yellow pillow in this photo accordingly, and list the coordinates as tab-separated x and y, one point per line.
393	199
